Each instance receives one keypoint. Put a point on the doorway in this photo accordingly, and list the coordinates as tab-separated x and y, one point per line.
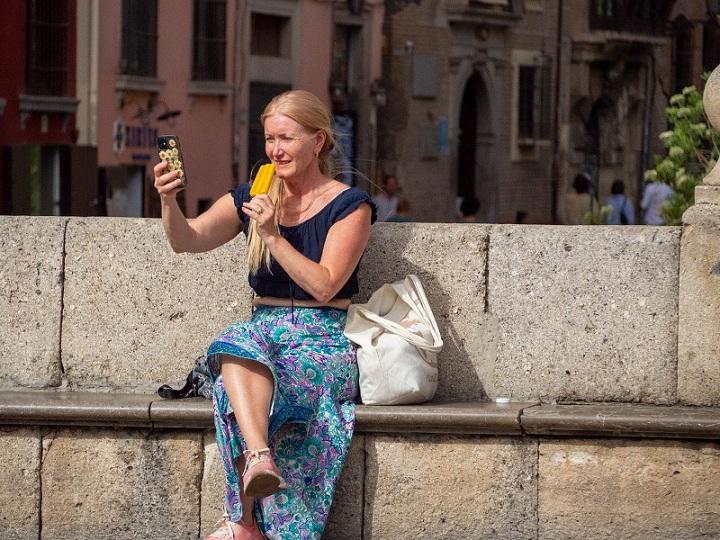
476	149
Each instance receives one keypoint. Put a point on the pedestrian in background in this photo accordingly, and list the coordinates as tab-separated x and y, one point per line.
387	200
579	201
402	212
622	212
469	208
654	194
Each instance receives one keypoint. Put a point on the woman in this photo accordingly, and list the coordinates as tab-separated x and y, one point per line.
285	382
579	202
622	212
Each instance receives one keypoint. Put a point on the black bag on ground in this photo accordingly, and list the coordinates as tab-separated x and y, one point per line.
197	383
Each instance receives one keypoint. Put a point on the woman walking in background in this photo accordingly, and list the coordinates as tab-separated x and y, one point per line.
622	212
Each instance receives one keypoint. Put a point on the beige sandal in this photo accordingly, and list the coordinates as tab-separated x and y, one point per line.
261	477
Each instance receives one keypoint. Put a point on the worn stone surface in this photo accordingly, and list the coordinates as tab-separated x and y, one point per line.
135	314
699	325
345	520
450	488
450	261
20	481
589	315
120	484
654	490
31	258
212	505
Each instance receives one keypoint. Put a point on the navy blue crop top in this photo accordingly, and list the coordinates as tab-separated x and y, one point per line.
308	238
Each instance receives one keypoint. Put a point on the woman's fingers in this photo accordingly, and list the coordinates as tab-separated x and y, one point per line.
166	183
261	209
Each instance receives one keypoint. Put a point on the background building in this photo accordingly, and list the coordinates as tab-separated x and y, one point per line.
114	74
504	100
42	169
507	100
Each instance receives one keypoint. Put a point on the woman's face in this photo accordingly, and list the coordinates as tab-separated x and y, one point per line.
290	146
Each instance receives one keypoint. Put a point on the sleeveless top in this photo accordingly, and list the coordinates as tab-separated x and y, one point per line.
308	238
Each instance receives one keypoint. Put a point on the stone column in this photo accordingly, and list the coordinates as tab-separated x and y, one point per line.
699	302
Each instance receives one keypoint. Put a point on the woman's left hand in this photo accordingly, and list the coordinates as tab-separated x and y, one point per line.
262	210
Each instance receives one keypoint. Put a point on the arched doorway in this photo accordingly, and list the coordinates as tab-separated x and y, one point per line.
476	143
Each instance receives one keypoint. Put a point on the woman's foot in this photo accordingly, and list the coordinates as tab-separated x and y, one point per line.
261	477
230	530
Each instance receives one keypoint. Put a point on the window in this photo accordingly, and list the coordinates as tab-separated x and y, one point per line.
533	105
47	36
683	56
269	35
711	44
535	5
635	16
341	66
209	40
495	5
139	38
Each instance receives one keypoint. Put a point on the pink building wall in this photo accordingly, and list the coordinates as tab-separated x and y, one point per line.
315	47
205	125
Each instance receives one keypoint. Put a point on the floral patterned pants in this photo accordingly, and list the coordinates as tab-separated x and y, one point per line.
312	414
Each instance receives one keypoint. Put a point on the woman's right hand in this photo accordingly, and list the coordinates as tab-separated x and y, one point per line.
167	184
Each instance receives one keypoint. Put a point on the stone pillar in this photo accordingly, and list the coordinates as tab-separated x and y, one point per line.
699	302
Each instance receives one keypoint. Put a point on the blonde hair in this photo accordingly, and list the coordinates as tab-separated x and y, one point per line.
312	114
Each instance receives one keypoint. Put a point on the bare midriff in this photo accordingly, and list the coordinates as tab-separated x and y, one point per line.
338	303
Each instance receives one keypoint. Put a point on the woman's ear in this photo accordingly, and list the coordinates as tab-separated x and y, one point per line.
320	138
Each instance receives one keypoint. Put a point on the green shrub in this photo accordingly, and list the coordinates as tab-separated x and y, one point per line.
692	150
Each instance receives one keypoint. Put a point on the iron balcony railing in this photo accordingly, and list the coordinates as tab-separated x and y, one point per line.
632	16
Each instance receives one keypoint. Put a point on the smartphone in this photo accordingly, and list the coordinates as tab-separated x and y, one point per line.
169	150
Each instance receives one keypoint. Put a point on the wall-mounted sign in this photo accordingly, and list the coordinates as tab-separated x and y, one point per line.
132	136
119	136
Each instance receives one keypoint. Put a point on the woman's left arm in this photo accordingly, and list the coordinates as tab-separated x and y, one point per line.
345	243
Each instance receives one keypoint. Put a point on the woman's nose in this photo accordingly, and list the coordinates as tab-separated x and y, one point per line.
276	148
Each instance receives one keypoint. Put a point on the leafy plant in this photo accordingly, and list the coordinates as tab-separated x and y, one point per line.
692	150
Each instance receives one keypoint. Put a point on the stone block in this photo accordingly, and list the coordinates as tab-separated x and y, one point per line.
345	520
450	488
120	484
585	313
212	505
699	325
135	314
31	262
450	261
654	490
20	481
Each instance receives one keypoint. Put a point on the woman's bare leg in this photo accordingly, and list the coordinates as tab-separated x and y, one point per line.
249	386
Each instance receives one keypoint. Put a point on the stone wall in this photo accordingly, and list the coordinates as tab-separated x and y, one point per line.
581	314
529	312
99	483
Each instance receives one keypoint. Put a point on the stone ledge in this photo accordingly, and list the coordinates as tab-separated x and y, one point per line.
74	408
622	420
478	418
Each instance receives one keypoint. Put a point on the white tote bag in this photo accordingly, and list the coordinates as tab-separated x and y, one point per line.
398	341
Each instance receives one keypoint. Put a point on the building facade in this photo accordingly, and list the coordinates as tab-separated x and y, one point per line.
202	70
506	100
43	167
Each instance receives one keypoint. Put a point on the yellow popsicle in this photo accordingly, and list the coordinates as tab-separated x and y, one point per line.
263	179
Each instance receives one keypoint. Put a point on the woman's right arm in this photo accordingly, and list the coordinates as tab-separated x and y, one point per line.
218	225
